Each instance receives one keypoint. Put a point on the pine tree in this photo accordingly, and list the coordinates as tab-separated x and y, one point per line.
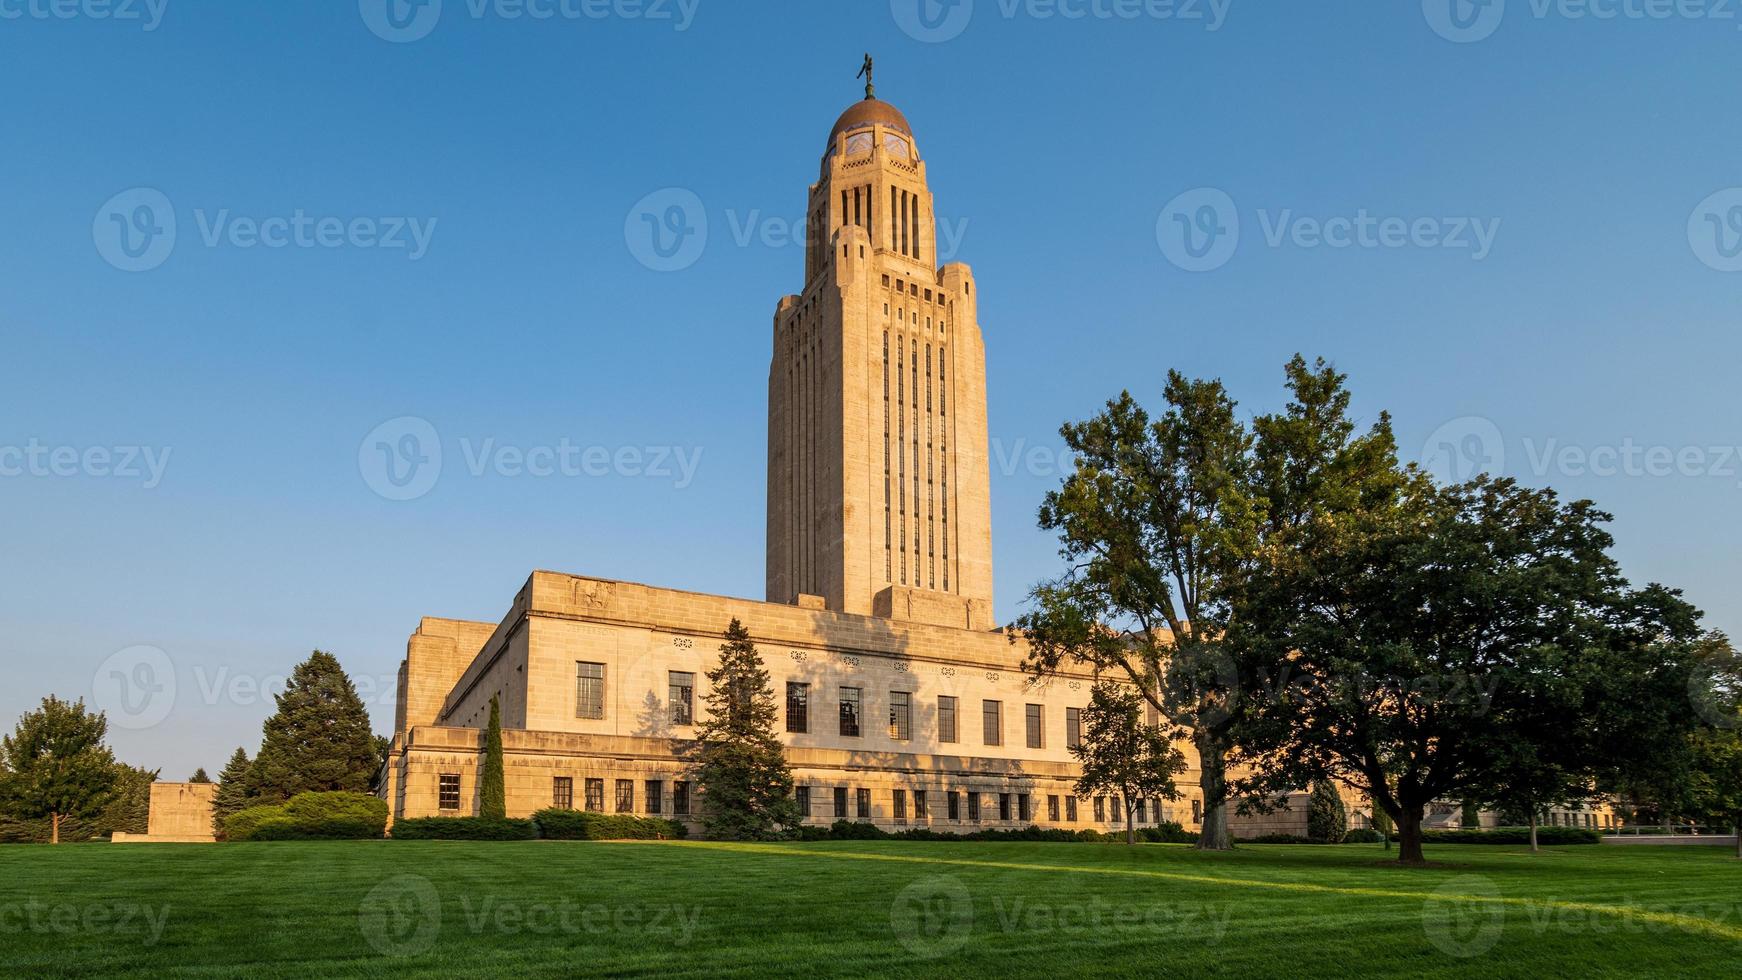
200	776
233	787
319	739
740	765
493	796
55	765
1327	819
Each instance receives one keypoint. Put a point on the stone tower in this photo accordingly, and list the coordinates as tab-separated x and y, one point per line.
878	483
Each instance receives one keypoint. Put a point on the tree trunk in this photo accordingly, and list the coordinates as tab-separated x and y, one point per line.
1130	828
1213	783
1409	836
1533	847
54	833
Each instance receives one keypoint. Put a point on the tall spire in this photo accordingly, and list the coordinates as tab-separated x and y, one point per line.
865	73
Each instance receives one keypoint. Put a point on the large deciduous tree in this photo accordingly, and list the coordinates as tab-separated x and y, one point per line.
56	764
740	764
319	738
1120	754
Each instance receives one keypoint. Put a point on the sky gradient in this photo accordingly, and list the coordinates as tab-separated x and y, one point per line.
1520	235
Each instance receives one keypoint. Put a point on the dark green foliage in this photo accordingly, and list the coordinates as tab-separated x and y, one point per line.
559	824
232	795
1122	755
319	738
463	828
200	776
55	765
1514	835
852	830
1327	820
129	808
1168	832
311	816
492	792
1279	839
1471	815
1363	835
740	764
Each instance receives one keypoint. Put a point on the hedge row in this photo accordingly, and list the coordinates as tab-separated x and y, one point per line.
1514	835
1167	833
311	816
555	824
463	828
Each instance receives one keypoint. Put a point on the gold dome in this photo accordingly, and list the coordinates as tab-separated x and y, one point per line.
867	113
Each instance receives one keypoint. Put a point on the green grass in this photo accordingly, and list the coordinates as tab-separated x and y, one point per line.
859	908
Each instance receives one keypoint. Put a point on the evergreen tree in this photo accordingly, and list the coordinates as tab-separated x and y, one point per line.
492	792
319	739
56	765
740	765
200	776
129	807
1471	818
1122	755
233	787
1327	819
1382	823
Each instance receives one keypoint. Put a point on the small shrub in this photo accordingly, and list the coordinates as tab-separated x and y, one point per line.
559	824
311	816
244	824
463	828
850	830
1168	832
1363	835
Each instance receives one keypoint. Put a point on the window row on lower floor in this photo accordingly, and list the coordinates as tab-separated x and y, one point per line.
655	799
973	807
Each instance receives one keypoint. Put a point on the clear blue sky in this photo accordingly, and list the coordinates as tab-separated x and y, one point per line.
1593	319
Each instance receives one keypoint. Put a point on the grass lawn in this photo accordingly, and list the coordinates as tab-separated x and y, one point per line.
887	908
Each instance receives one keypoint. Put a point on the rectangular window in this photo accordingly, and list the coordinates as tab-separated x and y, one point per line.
1100	809
1073	727
625	796
682	697
655	790
919	811
864	801
596	795
1071	809
1141	807
900	715
680	798
850	711
955	805
841	802
1023	811
1004	806
992	715
1118	809
450	791
1036	737
562	792
798	707
946	719
1052	808
589	690
898	799
974	807
802	795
